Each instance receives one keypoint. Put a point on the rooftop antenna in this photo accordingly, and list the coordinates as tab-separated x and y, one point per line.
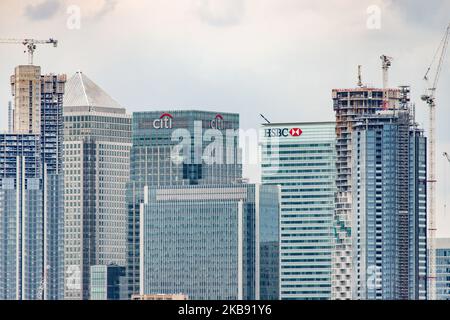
262	116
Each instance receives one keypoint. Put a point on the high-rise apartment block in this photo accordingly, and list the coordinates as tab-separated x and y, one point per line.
380	214
389	207
349	104
37	114
300	157
21	218
97	142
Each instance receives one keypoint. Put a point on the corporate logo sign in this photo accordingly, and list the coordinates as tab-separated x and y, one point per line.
164	121
282	132
217	122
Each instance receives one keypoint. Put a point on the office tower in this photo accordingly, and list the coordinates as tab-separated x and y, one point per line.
349	104
205	241
269	242
443	269
389	246
97	141
153	161
21	218
300	157
107	282
26	89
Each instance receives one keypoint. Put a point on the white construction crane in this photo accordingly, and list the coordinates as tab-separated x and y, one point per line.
359	84
30	44
430	98
386	62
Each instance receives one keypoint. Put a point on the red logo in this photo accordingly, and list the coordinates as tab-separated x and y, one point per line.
166	115
295	132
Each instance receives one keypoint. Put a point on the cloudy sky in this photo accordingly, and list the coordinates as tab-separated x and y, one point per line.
276	57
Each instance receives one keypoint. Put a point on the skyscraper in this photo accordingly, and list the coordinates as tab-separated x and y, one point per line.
348	105
97	141
443	269
153	163
206	241
300	157
51	136
38	112
21	218
389	246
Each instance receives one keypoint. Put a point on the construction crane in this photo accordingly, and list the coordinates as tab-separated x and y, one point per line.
430	98
30	44
386	62
359	84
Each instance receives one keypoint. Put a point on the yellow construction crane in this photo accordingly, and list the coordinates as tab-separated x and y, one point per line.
430	98
30	44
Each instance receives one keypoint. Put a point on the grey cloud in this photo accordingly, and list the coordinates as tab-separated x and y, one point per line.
42	11
221	12
426	14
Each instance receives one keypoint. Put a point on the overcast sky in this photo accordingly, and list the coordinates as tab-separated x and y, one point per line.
276	57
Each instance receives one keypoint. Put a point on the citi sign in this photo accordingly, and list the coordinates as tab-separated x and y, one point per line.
282	132
164	122
217	122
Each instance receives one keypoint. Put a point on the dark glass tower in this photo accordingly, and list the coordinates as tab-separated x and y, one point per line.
154	162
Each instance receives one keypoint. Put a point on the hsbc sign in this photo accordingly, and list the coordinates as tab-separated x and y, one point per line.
282	132
295	132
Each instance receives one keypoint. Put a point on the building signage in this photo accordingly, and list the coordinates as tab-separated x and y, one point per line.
217	122
164	122
282	132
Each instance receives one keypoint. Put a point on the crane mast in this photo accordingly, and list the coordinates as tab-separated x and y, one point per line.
429	98
386	62
30	44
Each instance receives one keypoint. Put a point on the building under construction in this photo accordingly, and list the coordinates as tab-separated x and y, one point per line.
373	203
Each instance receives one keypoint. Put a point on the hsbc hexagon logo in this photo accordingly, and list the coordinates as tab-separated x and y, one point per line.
295	132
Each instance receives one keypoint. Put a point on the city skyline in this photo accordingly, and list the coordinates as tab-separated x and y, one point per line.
226	150
235	56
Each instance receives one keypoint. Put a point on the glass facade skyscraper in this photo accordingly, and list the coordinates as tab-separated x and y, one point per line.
443	269
21	218
206	241
174	148
300	157
97	142
51	135
38	111
389	207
